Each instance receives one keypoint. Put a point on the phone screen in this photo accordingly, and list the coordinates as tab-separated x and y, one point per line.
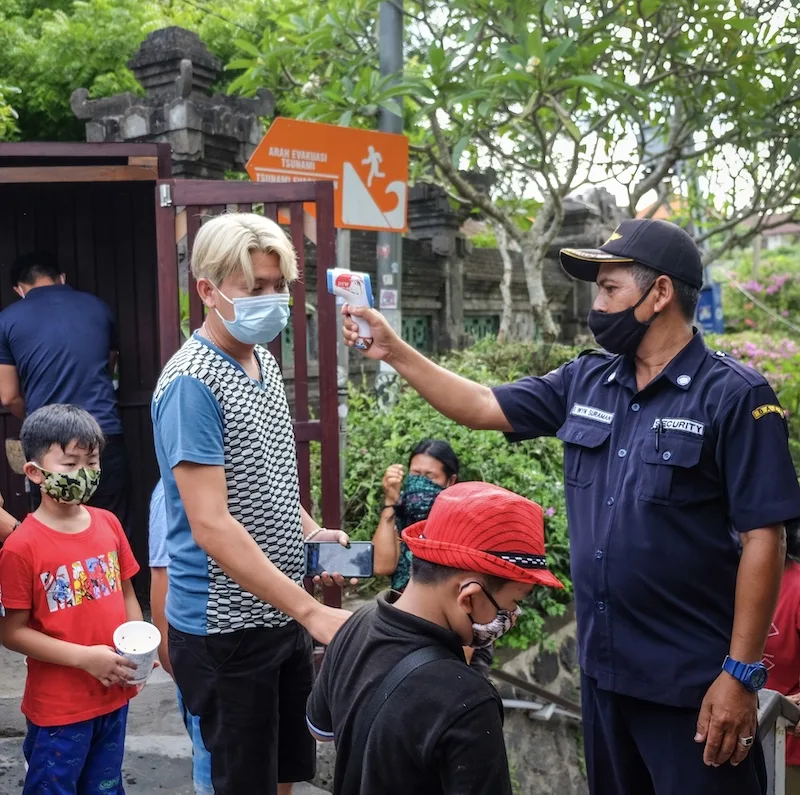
355	561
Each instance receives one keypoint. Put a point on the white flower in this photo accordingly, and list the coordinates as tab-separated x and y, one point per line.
533	62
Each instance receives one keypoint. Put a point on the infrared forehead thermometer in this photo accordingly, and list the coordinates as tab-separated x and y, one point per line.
354	288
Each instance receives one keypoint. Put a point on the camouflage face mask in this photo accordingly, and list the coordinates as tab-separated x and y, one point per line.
74	488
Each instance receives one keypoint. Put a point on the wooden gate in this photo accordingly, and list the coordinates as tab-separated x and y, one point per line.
181	206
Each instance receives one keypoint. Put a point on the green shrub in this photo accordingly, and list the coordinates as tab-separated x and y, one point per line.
378	438
778	360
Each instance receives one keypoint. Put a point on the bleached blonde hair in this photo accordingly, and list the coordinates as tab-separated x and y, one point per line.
225	244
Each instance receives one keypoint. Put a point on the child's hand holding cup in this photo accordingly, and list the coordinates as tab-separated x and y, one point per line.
138	641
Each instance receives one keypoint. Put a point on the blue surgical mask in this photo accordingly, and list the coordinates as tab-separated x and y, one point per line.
257	319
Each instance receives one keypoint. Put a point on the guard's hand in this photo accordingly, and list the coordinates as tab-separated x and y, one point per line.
325	622
333	537
384	338
392	481
104	664
728	713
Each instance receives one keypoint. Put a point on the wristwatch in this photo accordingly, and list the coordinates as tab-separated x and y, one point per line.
752	675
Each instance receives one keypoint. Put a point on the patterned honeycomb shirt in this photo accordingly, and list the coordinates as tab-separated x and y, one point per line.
207	410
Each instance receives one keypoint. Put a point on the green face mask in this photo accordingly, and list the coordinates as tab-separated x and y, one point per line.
73	488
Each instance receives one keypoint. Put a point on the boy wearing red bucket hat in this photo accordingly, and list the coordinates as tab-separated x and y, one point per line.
394	693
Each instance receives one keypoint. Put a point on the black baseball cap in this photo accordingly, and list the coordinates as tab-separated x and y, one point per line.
660	245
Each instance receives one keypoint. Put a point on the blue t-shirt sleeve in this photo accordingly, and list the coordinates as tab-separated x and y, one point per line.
188	424
157	529
113	332
6	357
753	456
536	405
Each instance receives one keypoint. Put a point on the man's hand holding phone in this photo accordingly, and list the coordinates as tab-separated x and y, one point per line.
332	537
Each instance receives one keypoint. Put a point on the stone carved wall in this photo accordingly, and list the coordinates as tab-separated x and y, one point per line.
209	133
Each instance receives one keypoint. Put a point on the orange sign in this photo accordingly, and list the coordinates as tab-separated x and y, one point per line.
369	169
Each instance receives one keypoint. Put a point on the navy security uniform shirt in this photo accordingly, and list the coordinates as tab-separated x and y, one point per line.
59	339
658	485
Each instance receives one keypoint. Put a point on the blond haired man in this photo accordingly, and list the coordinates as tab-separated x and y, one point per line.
239	620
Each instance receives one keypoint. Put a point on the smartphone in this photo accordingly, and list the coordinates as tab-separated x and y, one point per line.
352	561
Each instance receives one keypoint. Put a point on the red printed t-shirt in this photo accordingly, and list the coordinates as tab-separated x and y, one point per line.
72	585
782	652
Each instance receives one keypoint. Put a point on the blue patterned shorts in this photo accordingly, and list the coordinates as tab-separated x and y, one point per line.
81	757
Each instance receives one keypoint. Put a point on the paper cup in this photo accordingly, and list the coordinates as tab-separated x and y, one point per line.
138	642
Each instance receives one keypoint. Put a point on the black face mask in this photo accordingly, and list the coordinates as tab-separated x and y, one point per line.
620	332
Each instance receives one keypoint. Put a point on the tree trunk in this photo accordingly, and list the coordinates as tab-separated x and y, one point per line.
505	284
534	247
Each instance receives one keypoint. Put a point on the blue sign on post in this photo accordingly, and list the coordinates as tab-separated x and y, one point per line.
709	309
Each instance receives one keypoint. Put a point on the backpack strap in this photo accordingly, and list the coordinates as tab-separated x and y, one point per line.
351	780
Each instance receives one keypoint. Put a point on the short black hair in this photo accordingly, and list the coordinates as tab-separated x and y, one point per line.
60	424
426	573
27	268
686	295
441	451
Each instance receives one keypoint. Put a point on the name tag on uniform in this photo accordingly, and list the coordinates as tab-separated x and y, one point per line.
681	424
591	413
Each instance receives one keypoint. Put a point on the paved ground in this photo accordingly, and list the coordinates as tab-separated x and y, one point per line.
158	752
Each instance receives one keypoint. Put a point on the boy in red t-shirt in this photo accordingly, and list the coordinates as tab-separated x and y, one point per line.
65	586
782	652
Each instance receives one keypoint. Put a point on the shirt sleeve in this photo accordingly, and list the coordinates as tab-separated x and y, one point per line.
157	529
16	581
188	422
318	711
759	478
6	357
128	566
472	753
536	405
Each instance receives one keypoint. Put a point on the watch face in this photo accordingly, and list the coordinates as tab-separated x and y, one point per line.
758	678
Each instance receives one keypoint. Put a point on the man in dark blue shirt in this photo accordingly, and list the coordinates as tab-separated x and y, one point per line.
59	345
675	456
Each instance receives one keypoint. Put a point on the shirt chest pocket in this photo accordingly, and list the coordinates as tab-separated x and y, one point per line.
670	475
585	449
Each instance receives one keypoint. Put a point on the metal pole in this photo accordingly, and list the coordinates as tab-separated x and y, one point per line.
390	244
342	369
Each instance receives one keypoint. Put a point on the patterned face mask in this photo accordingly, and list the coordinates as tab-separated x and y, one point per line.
416	498
484	635
72	488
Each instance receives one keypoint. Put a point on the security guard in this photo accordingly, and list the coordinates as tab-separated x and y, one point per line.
678	483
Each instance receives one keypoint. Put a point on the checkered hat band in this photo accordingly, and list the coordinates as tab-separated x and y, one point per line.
522	559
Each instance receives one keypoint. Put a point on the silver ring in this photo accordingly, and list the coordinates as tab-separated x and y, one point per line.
746	741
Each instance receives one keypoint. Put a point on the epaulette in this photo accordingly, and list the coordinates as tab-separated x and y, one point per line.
596	352
753	377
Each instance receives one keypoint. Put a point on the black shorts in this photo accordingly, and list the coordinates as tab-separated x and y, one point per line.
249	689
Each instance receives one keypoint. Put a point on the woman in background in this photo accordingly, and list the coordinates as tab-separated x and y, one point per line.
432	467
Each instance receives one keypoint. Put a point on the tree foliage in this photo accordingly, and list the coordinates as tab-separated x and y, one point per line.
552	97
8	115
49	49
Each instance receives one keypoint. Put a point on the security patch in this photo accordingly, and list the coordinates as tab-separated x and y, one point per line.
591	413
767	408
680	424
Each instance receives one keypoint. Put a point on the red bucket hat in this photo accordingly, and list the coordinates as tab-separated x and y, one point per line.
485	528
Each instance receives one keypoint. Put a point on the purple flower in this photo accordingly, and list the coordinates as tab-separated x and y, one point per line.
753	286
785	313
550	511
